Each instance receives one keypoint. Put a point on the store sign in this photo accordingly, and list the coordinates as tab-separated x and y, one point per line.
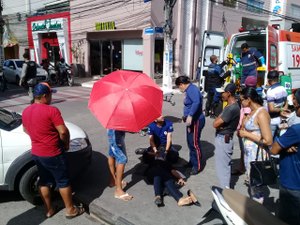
278	7
105	25
49	24
153	30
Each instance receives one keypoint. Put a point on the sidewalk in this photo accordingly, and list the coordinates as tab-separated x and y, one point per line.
93	190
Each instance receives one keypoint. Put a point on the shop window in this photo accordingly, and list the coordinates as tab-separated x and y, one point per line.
229	3
255	6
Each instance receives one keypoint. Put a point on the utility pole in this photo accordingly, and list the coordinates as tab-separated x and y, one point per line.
168	45
1	38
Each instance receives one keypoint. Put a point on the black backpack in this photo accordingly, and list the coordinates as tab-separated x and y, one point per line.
31	70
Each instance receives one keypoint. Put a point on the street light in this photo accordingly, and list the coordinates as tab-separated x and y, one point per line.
1	38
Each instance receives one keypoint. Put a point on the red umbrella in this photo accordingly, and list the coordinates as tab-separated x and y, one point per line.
126	100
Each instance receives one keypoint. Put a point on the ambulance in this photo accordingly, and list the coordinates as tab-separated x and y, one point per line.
280	48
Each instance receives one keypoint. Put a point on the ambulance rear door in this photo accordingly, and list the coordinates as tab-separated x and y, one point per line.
271	50
212	44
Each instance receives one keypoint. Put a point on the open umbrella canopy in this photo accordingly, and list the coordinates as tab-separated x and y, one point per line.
126	100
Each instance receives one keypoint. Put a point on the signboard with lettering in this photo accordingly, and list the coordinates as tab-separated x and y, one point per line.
48	24
105	25
278	7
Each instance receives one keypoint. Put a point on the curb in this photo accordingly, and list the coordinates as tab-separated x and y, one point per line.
105	216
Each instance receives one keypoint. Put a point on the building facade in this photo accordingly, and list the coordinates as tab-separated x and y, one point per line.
104	36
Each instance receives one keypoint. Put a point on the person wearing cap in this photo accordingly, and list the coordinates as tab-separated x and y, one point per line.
194	119
249	60
49	139
226	124
287	146
276	100
213	80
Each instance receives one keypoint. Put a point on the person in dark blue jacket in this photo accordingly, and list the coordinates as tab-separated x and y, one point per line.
194	119
250	60
213	80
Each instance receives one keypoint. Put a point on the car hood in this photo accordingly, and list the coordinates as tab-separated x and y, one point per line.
75	131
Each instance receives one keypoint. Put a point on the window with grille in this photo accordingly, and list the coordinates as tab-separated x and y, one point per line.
255	6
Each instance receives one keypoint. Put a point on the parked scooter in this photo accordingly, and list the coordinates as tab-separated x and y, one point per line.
60	76
238	209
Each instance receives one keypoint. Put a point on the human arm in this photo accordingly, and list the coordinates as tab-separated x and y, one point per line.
169	141
263	121
288	142
218	122
64	135
23	74
152	143
180	179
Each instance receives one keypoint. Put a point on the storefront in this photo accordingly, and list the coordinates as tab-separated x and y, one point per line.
114	50
49	37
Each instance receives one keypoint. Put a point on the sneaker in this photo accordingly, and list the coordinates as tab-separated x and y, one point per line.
260	200
258	197
158	201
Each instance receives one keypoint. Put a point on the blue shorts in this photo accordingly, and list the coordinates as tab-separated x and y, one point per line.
52	170
117	147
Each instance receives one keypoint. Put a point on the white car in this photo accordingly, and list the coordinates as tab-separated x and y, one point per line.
12	70
17	169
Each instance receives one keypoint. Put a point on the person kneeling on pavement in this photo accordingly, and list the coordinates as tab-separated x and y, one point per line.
160	136
162	175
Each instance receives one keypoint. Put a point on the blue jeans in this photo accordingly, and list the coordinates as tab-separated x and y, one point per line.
52	170
160	184
289	205
193	134
117	149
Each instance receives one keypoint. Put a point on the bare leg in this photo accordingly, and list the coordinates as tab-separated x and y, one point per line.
46	197
119	176
66	194
112	169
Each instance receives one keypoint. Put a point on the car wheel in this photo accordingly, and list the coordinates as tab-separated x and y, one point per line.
28	186
17	79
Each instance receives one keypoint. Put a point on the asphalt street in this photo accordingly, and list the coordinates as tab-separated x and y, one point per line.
92	187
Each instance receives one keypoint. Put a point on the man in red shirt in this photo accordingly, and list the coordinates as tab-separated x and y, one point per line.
49	139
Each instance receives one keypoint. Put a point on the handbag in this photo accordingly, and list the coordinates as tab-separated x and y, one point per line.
263	172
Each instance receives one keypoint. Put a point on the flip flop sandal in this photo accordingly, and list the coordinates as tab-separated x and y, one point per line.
193	197
125	197
79	210
56	209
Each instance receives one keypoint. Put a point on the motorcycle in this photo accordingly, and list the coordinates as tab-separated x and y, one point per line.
60	76
238	209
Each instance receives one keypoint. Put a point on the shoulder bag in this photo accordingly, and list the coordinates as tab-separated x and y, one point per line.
263	172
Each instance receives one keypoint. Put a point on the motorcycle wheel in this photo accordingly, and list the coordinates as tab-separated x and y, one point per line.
70	81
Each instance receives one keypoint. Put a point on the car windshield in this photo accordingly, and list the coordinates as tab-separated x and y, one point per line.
9	120
19	63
